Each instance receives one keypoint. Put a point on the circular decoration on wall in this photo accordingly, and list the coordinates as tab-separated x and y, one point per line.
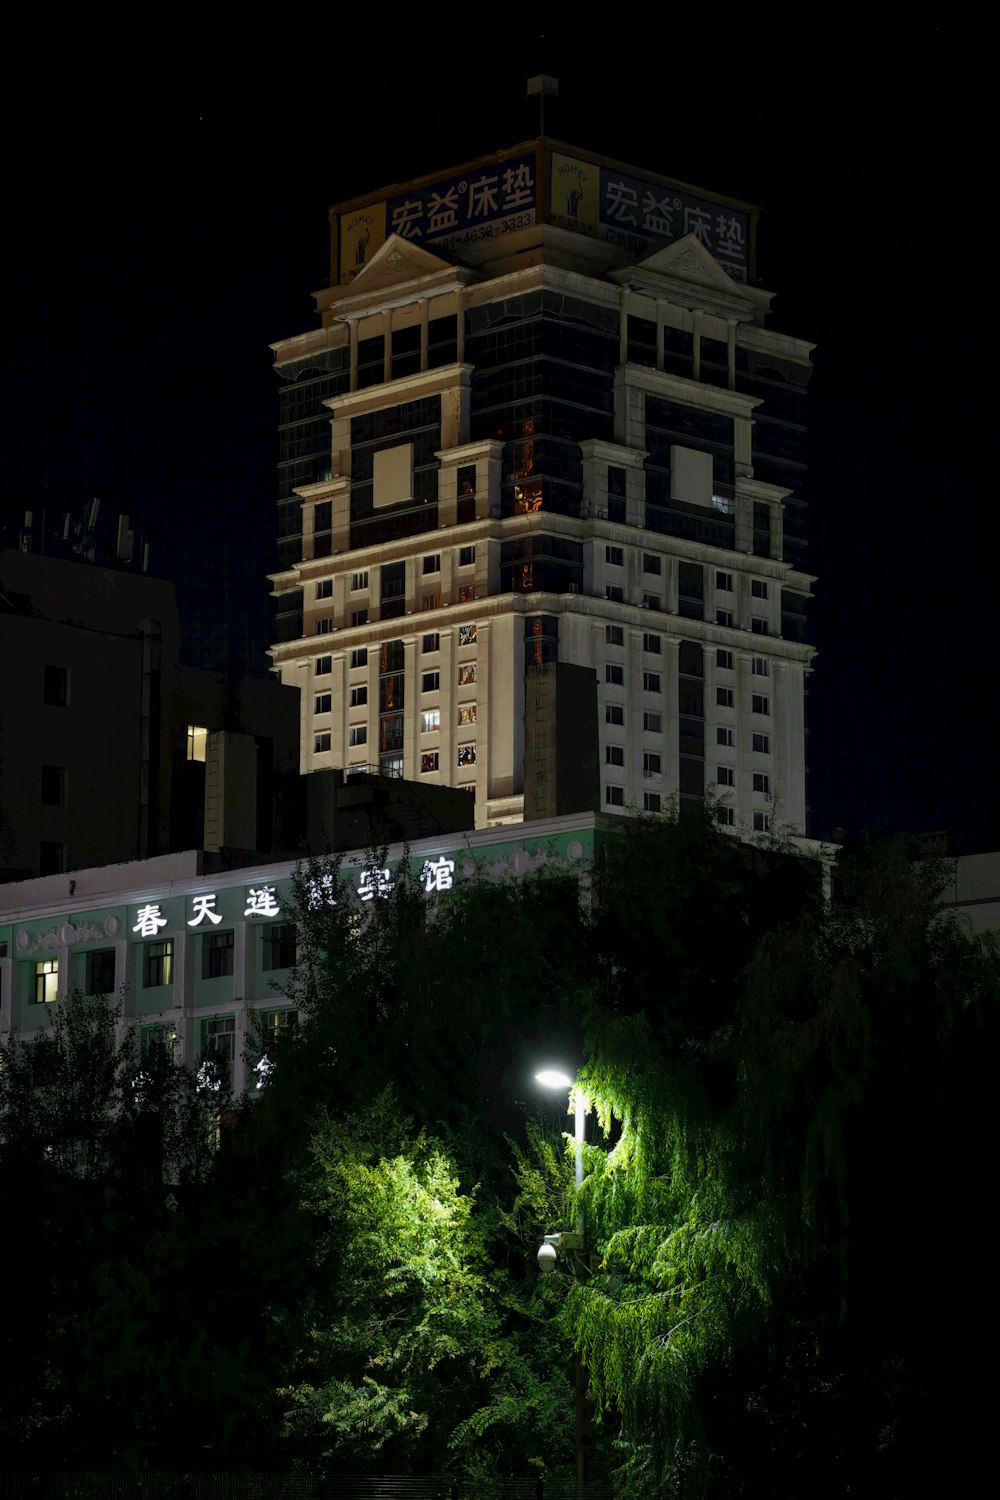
574	850
522	861
67	933
111	926
23	941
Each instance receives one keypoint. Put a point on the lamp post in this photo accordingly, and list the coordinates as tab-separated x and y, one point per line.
554	1244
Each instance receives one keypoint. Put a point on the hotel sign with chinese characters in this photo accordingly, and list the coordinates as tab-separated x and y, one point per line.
538	182
640	213
483	203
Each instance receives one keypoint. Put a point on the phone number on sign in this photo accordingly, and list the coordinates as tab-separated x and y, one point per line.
490	231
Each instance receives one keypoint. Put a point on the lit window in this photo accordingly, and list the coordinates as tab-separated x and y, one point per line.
429	762
725	776
466	557
467	755
652	722
724	659
723	735
359	656
431	601
651	801
324	703
466	635
467	673
430	721
324	589
358	734
158	964
614	755
614	713
614	796
197	742
359	581
614	556
761	782
651	764
46	980
467	713
759	704
758	589
651	564
724	697
724	582
651	643
761	744
431	642
466	593
614	674
359	696
430	682
651	682
761	667
432	563
614	635
324	666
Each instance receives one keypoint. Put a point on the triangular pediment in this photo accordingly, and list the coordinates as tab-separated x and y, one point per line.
396	262
688	260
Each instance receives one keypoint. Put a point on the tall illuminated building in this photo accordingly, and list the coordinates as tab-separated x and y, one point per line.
541	526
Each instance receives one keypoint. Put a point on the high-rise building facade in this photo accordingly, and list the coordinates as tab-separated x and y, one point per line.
542	528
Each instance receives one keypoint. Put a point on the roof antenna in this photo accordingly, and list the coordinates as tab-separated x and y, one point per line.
542	84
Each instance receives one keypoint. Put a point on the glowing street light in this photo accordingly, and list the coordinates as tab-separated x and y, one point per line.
555	1078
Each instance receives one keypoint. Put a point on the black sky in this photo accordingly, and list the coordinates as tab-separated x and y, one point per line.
168	220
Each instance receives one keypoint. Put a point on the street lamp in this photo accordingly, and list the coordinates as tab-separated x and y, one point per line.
556	1244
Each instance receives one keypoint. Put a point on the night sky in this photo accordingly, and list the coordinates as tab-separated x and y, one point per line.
169	220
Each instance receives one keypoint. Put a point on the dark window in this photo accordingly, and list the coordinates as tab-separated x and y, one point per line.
432	563
57	686
723	736
359	617
466	556
405	351
158	963
614	635
614	556
279	945
651	682
758	589
652	722
359	696
51	857
651	801
324	665
759	704
724	697
614	755
430	682
101	971
614	796
359	657
614	674
432	641
761	744
651	763
217	954
724	659
651	564
725	776
651	643
614	713
53	786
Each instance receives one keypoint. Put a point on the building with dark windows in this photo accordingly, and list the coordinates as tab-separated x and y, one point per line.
541	525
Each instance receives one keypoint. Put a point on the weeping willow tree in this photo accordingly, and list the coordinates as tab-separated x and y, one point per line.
790	1090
